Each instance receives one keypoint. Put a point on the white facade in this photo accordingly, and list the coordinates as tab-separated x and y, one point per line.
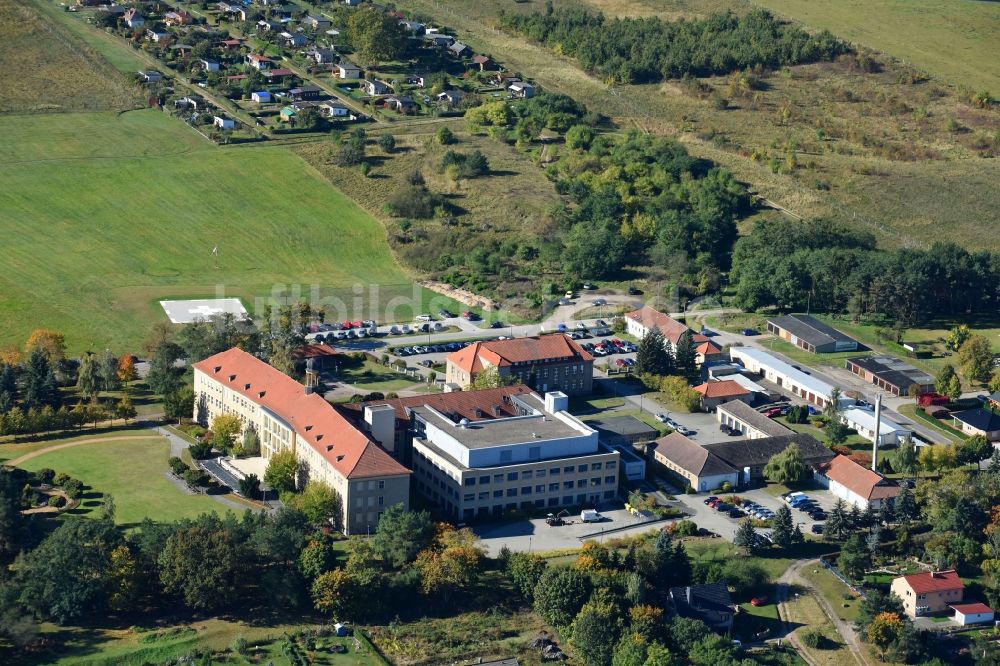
773	369
862	420
965	618
843	492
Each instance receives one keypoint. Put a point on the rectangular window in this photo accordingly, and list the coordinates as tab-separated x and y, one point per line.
498	478
540	473
484	480
512	492
581	468
554	471
581	499
595	466
381	485
525	475
470	481
609	479
512	476
567	485
568	470
497	493
609	494
484	496
612	464
567	499
540	488
526	490
469	497
595	481
553	487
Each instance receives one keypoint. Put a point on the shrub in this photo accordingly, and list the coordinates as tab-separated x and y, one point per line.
387	143
466	166
73	488
60	479
445	136
241	645
195	477
45	475
177	466
413	201
200	450
58	501
684	528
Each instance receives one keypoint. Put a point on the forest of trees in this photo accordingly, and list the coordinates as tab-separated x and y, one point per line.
645	50
829	268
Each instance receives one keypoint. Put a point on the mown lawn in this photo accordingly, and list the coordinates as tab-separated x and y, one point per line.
834	591
105	215
134	471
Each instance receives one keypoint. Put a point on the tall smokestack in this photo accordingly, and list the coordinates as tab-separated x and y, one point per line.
878	427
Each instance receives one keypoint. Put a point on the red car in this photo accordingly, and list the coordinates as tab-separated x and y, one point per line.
773	412
346	326
759	601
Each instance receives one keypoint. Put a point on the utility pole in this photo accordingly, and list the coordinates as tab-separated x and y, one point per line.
878	424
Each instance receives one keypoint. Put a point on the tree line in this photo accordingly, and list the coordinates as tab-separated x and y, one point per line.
827	267
647	50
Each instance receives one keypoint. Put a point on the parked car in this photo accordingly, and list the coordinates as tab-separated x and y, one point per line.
600	301
773	412
818	515
735	513
632	291
687	432
424	317
587	285
709	500
497	324
817	528
601	323
565	301
662	418
723	507
759	601
445	314
471	316
749	332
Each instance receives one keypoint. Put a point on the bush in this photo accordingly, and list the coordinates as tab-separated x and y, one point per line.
177	466
57	501
60	479
466	166
445	136
195	477
45	475
413	201
200	450
814	639
387	143
73	488
684	528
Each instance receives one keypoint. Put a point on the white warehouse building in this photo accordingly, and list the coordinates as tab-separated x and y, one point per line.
890	433
812	390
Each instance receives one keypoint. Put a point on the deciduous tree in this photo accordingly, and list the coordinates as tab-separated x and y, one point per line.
225	429
375	36
976	358
560	594
53	343
202	566
786	466
281	472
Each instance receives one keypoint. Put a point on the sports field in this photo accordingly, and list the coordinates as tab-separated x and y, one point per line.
131	470
103	215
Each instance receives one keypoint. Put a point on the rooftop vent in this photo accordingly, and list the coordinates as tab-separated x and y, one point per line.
464	423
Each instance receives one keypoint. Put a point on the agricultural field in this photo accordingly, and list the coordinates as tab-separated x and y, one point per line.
868	146
165	197
132	470
45	68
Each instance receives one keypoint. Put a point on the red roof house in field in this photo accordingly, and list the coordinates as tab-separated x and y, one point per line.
856	484
928	593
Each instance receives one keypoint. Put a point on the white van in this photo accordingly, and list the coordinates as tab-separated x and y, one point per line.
590	516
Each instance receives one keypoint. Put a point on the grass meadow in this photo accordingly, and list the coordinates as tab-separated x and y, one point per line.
103	215
134	471
866	149
45	67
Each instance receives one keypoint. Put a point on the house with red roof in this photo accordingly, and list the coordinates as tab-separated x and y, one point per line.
288	416
715	393
928	593
544	363
640	322
855	484
972	613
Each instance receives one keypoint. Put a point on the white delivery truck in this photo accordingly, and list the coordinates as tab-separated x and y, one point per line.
590	516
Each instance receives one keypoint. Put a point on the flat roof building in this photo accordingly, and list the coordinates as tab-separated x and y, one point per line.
890	374
811	334
540	458
798	383
863	421
616	430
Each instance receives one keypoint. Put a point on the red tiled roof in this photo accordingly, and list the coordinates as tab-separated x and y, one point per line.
314	351
969	609
708	348
472	405
540	349
315	420
858	479
480	59
934	581
723	389
669	327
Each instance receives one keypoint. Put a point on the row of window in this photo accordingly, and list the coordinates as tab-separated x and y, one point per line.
525	475
497	509
538	489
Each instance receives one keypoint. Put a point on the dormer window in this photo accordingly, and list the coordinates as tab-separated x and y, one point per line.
232	378
216	369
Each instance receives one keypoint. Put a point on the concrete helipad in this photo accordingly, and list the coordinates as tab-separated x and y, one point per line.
187	312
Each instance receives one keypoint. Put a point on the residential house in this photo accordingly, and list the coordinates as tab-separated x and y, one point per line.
855	484
545	363
709	602
261	97
542	458
178	18
304	93
277	74
522	90
438	40
334	110
978	421
192	102
288	416
223	122
157	36
791	378
640	322
346	70
890	374
268	26
750	456
459	50
375	87
716	393
928	593
974	613
209	65
150	76
700	468
413	26
401	104
230	44
323	56
811	334
863	421
743	418
317	22
451	97
294	39
133	18
483	62
259	62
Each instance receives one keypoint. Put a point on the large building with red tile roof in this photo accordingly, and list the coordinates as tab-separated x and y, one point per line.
543	363
928	593
715	393
640	322
287	416
855	484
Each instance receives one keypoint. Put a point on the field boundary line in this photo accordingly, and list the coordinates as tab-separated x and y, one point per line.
14	462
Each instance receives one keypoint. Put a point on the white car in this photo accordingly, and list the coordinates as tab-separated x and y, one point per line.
662	418
682	430
424	317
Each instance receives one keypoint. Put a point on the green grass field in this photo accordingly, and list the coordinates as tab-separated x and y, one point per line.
956	41
132	471
103	215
